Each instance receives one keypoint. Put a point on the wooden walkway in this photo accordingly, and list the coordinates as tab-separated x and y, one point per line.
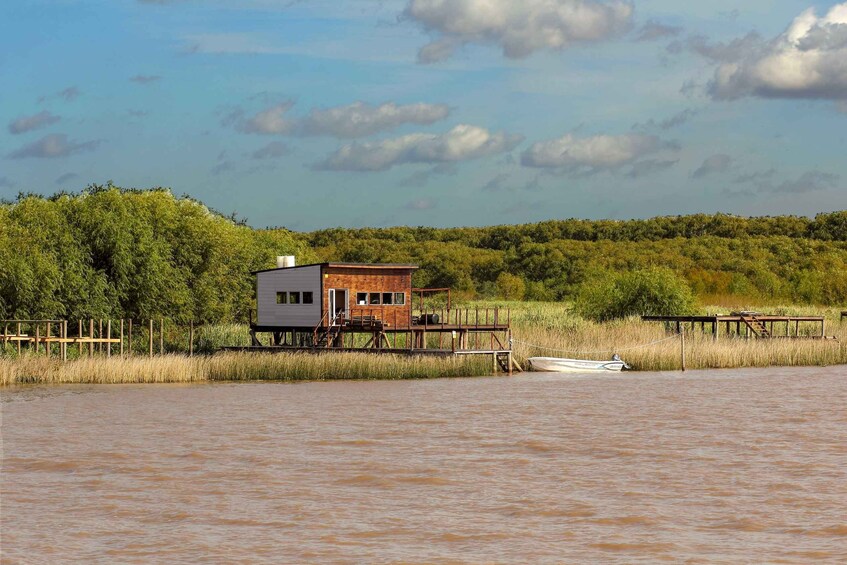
750	324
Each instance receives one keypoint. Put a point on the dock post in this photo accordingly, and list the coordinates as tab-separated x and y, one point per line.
682	348
64	341
494	361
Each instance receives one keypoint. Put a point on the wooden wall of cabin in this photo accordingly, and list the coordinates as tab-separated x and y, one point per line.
356	280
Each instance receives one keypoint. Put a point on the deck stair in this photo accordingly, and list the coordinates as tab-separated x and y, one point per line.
504	360
756	325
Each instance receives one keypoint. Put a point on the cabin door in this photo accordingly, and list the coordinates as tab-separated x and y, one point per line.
337	305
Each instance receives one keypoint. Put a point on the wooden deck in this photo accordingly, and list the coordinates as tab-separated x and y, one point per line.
750	324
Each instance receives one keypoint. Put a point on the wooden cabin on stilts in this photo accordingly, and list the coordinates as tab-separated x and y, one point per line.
368	307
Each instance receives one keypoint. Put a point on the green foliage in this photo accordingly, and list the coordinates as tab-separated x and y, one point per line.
657	292
510	287
114	253
109	253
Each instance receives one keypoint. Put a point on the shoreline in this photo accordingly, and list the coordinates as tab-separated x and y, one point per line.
278	367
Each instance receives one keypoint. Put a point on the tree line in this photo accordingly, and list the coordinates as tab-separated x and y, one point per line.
124	253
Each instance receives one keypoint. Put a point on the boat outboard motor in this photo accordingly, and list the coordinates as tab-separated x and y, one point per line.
617	357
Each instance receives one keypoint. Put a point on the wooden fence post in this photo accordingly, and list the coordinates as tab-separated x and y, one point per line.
91	337
100	335
191	339
19	339
151	337
162	336
36	337
682	347
129	340
109	337
122	338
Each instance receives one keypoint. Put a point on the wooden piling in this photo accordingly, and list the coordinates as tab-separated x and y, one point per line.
682	348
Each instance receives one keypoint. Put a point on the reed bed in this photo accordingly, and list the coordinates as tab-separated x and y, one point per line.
556	328
539	329
32	369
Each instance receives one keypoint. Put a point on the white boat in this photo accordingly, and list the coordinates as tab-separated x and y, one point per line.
559	365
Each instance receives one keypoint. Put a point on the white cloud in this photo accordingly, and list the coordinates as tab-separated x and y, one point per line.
52	146
653	30
590	154
269	121
518	28
360	119
719	163
808	60
29	123
354	120
462	143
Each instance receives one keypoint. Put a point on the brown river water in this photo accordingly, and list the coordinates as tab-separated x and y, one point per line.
739	466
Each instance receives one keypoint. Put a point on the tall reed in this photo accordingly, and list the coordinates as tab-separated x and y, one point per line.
237	366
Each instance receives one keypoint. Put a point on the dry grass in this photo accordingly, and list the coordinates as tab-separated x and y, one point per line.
554	326
236	366
549	325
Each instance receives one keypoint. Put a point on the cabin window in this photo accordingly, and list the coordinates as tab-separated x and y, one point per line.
362	298
282	298
388	298
294	298
375	296
308	298
399	298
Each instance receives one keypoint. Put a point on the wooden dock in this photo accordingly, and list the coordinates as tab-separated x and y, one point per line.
750	325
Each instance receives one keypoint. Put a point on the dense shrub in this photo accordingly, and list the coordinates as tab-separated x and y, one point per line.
657	292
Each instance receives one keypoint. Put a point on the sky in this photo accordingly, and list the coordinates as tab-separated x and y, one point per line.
310	114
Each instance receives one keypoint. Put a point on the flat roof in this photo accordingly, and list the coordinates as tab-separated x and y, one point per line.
345	265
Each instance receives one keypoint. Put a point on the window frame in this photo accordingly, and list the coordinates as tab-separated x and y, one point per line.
282	297
311	296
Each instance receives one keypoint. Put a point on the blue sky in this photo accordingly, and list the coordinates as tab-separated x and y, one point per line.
312	113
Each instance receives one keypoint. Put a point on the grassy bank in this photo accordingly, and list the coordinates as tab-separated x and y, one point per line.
539	329
554	326
236	367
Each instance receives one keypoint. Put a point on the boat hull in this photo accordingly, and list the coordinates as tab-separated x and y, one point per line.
558	365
